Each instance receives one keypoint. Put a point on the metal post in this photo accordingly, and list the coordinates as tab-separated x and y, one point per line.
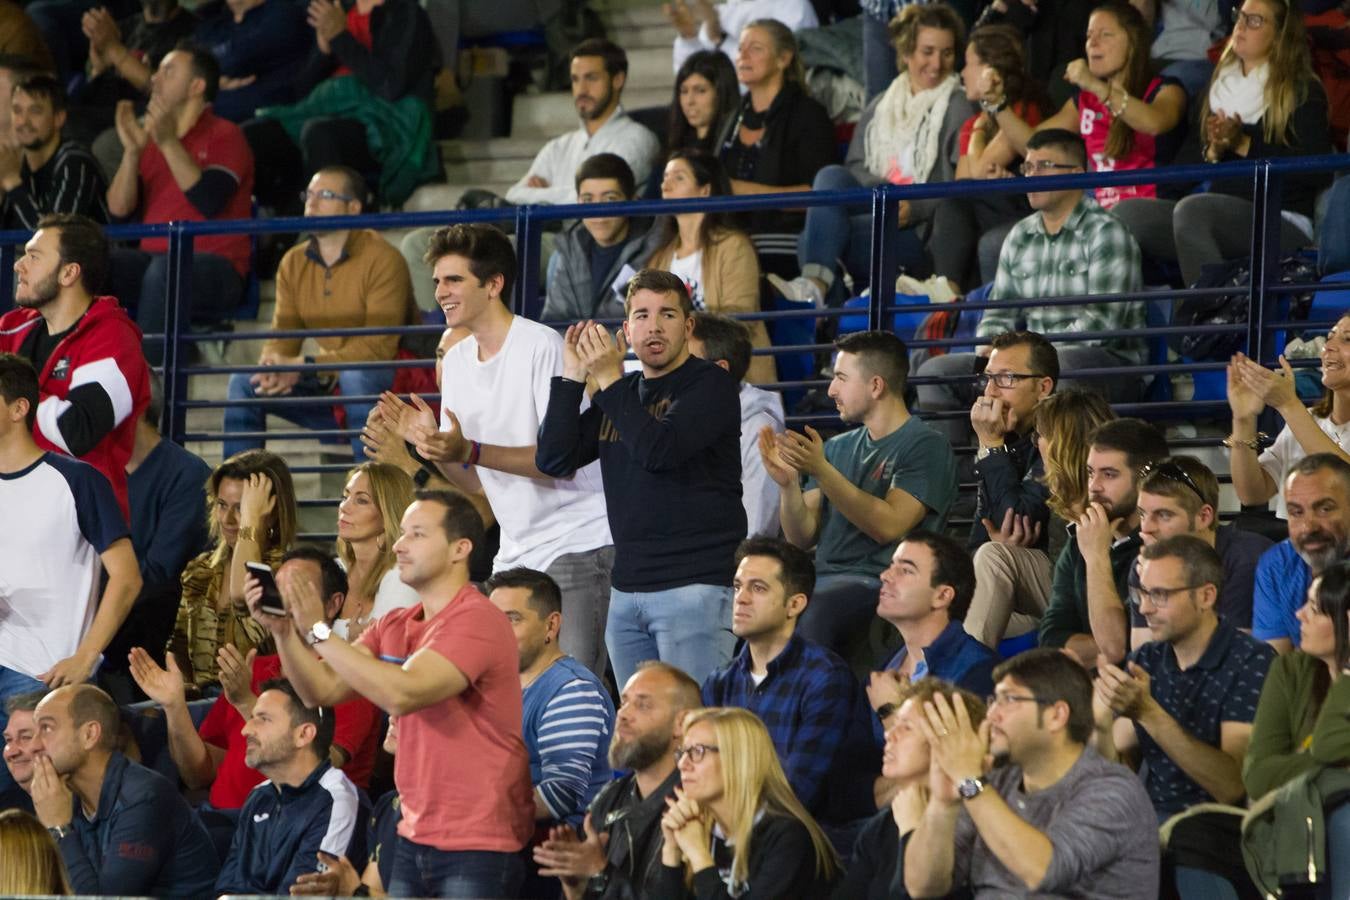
526	300
1265	256
885	221
177	317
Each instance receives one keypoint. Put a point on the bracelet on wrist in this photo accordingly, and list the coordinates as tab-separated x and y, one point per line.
475	450
247	533
994	107
1232	442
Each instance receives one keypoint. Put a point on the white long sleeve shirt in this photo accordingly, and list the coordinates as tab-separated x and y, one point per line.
558	160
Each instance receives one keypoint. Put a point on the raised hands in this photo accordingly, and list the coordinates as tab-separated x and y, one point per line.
1275	388
570	858
129	131
164	686
256	502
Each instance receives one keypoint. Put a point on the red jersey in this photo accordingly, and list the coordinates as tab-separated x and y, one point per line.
1094	124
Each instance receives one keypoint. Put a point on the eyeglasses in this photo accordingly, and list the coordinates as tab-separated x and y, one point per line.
694	753
324	194
1158	597
1172	472
994	701
1002	379
1251	21
1041	166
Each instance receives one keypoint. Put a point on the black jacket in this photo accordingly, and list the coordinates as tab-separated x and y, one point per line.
1011	480
403	58
782	866
633	854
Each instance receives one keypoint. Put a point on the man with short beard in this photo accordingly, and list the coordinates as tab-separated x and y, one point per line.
1086	614
599	71
628	811
1317	497
44	174
306	806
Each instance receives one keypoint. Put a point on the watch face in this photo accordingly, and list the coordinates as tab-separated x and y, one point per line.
970	787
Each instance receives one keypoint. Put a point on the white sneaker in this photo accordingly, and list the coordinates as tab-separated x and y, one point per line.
800	290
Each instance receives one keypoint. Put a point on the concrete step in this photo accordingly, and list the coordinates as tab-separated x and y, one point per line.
551	114
650	68
493	149
478	171
630	15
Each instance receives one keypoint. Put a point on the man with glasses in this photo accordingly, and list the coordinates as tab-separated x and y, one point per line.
1185	701
1180	495
1068	247
336	279
1010	531
1051	819
594	258
1086	614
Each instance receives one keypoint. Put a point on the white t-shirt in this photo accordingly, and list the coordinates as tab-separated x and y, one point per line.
391	593
63	516
1284	454
502	402
690	271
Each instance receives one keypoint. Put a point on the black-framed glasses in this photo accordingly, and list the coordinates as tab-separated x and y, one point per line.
324	194
1251	21
1158	597
1002	379
1042	166
695	753
1172	472
996	700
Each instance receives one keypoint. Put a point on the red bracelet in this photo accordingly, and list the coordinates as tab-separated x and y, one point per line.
475	449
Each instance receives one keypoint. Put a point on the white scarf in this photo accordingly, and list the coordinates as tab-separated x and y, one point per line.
1233	93
902	140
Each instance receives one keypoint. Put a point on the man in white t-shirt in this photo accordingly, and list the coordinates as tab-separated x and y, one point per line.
495	388
53	624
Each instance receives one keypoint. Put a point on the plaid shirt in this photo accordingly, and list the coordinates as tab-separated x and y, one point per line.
813	708
1093	253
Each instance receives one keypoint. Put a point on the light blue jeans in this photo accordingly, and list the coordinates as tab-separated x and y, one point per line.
688	627
352	383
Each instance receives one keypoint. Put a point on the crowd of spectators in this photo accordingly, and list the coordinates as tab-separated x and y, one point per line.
702	654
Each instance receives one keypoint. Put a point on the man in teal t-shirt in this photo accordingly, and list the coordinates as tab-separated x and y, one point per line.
864	489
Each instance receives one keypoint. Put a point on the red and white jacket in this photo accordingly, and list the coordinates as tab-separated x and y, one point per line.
99	364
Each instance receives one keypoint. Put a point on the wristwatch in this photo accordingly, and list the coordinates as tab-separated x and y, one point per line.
60	831
970	788
984	452
319	631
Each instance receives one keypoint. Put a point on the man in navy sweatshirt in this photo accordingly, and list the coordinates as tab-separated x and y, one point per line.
668	441
121	828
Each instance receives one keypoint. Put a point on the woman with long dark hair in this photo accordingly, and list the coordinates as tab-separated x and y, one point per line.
705	104
715	260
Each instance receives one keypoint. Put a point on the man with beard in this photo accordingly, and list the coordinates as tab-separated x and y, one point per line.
628	811
1317	497
865	489
1186	700
1051	819
93	380
305	806
599	70
121	828
668	441
44	174
1086	614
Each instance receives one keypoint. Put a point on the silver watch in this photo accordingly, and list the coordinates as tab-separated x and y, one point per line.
970	788
319	631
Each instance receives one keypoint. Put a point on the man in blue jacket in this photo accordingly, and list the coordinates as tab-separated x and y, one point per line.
121	828
305	806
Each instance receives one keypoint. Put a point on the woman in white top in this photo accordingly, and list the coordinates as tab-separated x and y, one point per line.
369	522
1325	428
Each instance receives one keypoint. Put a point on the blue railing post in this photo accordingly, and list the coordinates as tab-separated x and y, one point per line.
1265	256
527	254
885	220
8	254
177	318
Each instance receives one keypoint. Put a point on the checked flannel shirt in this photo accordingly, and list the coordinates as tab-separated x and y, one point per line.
1093	253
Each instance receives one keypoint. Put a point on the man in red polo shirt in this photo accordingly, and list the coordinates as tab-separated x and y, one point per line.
182	163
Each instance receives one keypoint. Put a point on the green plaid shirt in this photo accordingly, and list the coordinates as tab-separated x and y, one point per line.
1093	253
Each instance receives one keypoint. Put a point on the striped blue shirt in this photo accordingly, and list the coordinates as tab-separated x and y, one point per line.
568	722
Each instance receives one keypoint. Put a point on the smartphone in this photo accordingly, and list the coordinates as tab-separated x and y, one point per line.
271	598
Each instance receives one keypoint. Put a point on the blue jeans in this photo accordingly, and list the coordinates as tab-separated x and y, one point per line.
583	579
352	383
421	871
688	627
1338	851
835	234
12	683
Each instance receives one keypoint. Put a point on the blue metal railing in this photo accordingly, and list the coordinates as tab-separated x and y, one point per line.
1266	178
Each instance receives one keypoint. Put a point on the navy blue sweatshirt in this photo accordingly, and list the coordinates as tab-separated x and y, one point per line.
144	840
670	457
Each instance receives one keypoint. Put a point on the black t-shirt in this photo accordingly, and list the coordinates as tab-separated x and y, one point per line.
39	345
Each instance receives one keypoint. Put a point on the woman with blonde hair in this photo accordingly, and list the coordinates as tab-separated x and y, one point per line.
373	502
251	515
714	259
735	828
30	863
1264	101
904	771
